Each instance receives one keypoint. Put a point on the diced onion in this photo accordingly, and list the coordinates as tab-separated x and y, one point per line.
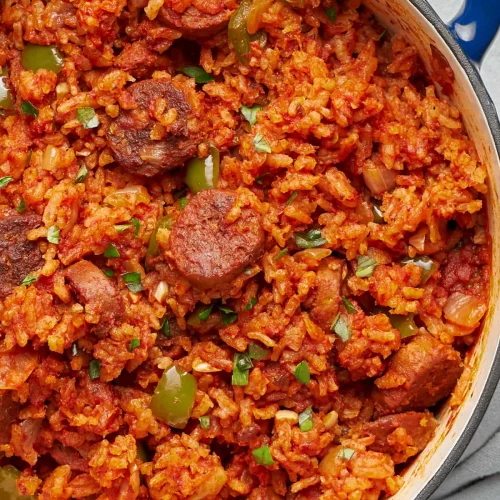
330	420
161	292
418	239
313	253
50	158
464	310
286	416
378	178
204	367
130	195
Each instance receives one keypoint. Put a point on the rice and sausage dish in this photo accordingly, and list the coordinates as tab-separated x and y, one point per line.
243	251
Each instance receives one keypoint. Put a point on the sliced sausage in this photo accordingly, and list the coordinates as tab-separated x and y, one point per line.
16	366
139	60
418	426
129	134
206	248
325	299
194	23
97	292
419	375
18	256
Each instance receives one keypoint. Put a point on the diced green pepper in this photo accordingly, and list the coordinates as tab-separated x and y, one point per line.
153	250
238	33
427	265
203	173
35	57
173	398
405	324
8	486
5	94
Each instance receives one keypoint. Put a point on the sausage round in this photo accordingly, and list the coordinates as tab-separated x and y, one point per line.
129	134
420	374
325	299
194	23
419	426
18	256
97	292
206	248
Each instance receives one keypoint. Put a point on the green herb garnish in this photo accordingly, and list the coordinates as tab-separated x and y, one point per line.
366	266
199	74
341	328
21	207
250	304
29	280
281	253
133	281
204	422
203	315
108	272
331	13
302	373
134	344
111	252
292	197
242	365
165	328
87	117
260	144
257	352
53	235
263	456
82	174
28	109
306	420
250	114
311	239
94	369
4	181
348	305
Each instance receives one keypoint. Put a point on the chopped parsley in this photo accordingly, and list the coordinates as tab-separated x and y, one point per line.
87	117
53	235
133	281
302	373
366	266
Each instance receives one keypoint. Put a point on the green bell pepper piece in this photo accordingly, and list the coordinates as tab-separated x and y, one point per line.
427	265
203	173
8	487
238	33
153	250
35	57
173	398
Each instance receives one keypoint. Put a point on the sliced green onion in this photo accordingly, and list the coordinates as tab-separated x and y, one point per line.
242	365
132	223
204	422
341	328
53	235
165	328
228	315
263	456
4	181
260	144
21	207
87	117
203	315
108	272
28	109
257	352
348	305
280	254
82	174
366	266
292	197
199	74
94	369
331	13
250	304
29	280
306	420
133	281
302	373
346	453
250	114
111	252
183	203
134	344
311	239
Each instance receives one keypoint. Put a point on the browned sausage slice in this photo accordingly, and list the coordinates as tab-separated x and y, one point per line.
325	298
418	430
129	134
96	291
420	374
206	248
193	23
18	256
